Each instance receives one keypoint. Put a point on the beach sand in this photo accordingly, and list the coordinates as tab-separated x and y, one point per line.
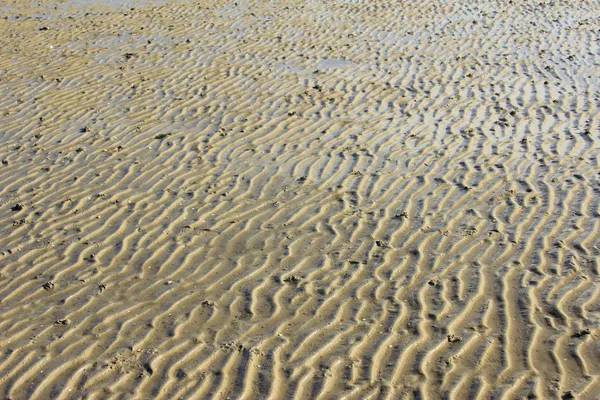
299	199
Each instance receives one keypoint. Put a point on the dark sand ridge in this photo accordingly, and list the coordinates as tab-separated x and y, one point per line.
299	199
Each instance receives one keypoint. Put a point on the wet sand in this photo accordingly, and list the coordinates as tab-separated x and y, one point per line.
290	199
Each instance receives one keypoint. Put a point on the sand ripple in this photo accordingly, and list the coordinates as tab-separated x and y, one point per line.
292	199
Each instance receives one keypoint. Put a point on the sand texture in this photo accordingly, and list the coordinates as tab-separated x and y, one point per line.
299	199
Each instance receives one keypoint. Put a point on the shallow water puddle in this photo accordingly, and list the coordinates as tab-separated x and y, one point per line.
333	63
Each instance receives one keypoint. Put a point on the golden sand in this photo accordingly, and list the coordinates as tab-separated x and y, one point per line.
299	199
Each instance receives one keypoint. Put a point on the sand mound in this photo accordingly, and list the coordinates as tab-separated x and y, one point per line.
299	199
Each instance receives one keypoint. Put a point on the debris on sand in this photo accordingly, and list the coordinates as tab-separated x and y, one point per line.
454	339
293	279
582	333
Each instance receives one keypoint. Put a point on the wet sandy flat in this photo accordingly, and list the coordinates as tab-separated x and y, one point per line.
299	199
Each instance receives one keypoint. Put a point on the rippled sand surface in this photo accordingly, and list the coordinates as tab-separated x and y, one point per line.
299	199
